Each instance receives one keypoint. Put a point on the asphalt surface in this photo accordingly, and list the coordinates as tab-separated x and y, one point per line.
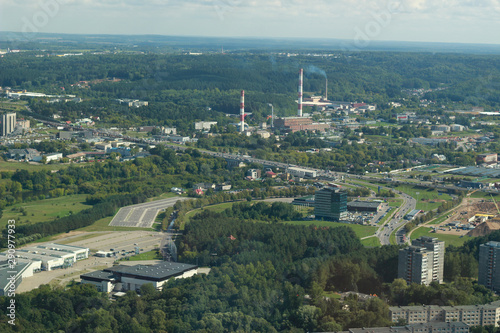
385	231
142	215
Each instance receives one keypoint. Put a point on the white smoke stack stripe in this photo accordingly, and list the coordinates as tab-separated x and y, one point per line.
242	111
301	77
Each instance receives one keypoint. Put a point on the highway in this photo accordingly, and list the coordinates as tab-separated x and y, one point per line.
384	231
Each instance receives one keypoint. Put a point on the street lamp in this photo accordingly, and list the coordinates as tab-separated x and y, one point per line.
272	115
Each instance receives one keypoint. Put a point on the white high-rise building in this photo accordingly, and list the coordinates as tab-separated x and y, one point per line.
437	248
423	262
8	123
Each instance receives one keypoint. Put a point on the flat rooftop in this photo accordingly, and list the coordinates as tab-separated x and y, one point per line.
369	204
157	272
99	276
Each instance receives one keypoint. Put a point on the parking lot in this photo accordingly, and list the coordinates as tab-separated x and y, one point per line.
123	244
122	241
142	215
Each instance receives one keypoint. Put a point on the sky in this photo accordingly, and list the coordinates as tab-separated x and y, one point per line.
360	21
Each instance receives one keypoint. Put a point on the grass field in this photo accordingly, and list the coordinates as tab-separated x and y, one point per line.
13	166
392	237
370	186
394	202
440	219
13	106
44	210
359	230
150	255
215	208
163	196
100	225
371	242
484	195
424	196
377	138
136	134
331	294
387	216
448	239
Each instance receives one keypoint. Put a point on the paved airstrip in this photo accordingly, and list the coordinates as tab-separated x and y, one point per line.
142	215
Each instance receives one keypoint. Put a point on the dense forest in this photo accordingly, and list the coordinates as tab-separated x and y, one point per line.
206	86
104	182
265	277
181	89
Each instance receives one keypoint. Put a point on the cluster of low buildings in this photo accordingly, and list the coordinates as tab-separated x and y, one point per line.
33	259
132	102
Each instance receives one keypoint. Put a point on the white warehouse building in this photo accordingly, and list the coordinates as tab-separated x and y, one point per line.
51	256
301	172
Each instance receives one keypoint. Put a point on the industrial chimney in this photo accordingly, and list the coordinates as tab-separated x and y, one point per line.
326	89
242	111
301	77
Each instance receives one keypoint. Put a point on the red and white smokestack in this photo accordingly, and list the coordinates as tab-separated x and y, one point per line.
242	111
301	78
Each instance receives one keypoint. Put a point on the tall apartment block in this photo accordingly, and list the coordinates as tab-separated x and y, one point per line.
437	247
489	261
8	123
330	203
422	262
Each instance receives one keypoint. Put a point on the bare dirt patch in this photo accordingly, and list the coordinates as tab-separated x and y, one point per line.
464	214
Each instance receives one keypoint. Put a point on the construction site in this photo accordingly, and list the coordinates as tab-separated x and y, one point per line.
473	217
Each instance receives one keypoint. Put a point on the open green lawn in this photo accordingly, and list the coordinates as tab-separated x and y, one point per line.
440	219
371	242
448	239
370	186
9	105
150	255
425	196
44	210
359	230
331	294
13	166
100	225
392	237
163	196
215	208
484	195
386	217
394	202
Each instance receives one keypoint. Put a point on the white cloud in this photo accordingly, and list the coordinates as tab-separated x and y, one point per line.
409	19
